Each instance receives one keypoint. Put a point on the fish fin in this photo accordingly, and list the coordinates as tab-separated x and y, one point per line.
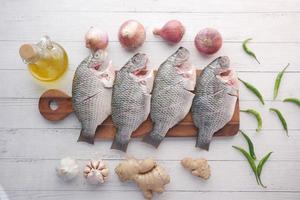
190	80
121	139
85	137
153	139
188	100
157	134
203	142
119	146
147	105
202	145
233	92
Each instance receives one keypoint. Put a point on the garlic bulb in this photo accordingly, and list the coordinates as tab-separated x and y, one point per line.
68	169
96	172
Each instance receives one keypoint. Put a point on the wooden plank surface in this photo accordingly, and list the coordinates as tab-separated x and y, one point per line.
32	146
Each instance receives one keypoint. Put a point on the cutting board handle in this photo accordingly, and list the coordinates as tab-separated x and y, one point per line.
55	105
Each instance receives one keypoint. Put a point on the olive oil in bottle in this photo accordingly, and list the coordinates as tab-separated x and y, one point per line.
46	60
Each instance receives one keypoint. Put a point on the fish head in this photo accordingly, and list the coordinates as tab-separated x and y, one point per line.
185	69
98	60
181	56
137	64
223	72
220	65
139	71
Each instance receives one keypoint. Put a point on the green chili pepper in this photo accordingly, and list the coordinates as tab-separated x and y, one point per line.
293	100
248	51
260	167
254	90
278	81
257	116
250	145
250	161
280	116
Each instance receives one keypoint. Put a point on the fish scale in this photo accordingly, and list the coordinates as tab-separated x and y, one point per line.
171	101
214	101
129	104
91	99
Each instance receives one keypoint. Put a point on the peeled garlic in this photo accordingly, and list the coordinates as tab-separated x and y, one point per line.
96	172
68	169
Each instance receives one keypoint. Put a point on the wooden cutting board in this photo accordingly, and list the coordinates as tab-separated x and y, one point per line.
185	128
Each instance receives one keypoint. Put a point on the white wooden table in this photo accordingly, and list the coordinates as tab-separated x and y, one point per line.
31	146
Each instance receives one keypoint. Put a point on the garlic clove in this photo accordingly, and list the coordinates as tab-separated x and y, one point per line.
86	170
104	172
95	164
101	165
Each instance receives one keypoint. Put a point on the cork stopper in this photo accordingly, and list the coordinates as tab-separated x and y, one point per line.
28	52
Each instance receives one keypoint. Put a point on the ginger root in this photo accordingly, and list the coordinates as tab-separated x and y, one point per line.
149	176
198	167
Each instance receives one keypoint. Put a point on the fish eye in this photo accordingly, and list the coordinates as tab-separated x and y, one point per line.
136	59
96	55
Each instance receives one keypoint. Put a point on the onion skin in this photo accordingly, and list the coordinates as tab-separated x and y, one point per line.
172	31
208	41
96	39
132	34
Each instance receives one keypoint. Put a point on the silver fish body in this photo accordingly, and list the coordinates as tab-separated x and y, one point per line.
131	99
91	93
215	98
171	97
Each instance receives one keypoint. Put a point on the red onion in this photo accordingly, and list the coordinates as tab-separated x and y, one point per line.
172	31
208	41
96	39
132	34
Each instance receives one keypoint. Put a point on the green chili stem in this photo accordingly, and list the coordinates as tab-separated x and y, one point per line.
280	116
248	51
278	81
254	90
256	115
292	100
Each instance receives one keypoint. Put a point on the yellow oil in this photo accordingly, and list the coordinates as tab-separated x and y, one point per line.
51	67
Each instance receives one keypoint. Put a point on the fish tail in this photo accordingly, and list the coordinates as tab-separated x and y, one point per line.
156	136
203	140
86	137
121	140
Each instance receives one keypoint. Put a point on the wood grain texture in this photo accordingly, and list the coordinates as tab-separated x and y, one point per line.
31	146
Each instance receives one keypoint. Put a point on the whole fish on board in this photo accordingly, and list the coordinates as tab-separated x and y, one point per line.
92	92
131	99
216	94
171	97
